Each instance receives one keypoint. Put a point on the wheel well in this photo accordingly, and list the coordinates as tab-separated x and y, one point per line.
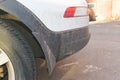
38	52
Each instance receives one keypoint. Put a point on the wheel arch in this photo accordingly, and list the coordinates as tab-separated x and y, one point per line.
12	9
8	16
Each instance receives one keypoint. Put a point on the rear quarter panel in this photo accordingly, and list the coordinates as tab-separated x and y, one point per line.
58	36
51	13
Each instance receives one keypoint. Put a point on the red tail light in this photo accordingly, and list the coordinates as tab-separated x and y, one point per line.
75	12
70	12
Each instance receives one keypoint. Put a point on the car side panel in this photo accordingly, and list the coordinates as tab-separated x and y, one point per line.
51	13
39	31
71	35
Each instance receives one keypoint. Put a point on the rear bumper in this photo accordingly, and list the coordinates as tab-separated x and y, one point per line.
72	41
58	45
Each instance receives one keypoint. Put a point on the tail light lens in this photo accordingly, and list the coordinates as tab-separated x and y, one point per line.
75	12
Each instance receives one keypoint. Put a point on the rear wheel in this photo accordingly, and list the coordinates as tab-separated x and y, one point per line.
16	56
6	67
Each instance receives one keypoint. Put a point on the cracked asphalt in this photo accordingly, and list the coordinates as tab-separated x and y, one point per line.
99	60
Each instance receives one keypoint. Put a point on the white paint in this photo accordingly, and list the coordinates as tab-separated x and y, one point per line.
91	68
51	13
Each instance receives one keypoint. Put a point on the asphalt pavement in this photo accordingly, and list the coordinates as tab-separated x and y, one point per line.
99	60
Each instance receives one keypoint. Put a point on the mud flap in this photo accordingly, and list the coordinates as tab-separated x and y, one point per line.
49	57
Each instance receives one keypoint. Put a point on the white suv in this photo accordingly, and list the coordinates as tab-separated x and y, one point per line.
48	29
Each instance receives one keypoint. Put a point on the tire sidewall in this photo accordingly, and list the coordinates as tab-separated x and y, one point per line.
14	50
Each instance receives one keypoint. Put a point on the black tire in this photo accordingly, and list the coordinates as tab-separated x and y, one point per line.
18	50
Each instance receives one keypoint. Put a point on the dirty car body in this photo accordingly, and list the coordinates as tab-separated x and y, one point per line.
59	26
